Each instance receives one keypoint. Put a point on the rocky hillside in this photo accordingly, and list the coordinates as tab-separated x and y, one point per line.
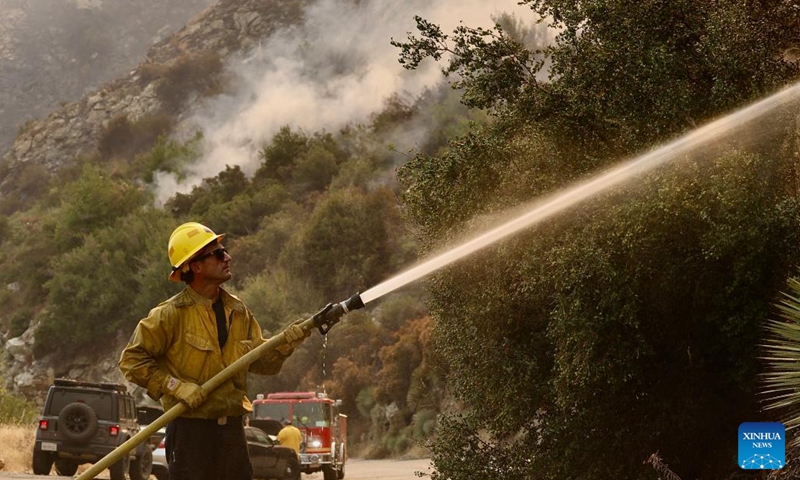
57	51
74	128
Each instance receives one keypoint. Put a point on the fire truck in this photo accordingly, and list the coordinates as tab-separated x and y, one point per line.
324	429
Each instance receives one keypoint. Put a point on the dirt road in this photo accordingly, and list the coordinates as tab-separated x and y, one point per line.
356	470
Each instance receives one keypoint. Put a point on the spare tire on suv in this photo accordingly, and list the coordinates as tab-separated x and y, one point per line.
77	422
81	423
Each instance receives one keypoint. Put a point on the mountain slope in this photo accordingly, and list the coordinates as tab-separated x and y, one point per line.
48	145
57	51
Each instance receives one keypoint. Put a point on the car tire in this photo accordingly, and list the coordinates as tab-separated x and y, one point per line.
66	468
142	466
77	422
42	462
292	469
117	471
340	471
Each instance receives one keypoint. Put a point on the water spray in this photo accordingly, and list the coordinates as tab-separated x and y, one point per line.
545	208
332	313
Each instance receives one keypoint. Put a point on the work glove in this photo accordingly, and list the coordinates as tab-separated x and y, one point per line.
293	335
190	394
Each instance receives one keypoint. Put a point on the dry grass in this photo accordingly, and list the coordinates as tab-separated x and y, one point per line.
17	447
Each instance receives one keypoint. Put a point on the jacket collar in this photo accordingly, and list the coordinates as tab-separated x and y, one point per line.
189	297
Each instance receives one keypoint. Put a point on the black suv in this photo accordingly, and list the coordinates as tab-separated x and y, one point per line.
81	423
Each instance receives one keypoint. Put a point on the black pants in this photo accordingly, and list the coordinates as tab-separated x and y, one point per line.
200	449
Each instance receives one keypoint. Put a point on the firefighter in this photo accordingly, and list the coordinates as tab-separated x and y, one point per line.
290	436
185	341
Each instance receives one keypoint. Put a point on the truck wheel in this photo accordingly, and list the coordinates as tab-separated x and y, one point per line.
66	468
77	422
342	459
118	470
42	462
292	469
328	472
142	465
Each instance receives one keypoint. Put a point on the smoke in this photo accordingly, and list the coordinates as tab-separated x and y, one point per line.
336	69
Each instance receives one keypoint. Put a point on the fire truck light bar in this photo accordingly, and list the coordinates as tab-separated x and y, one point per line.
289	395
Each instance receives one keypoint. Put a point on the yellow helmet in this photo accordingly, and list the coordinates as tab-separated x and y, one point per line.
185	242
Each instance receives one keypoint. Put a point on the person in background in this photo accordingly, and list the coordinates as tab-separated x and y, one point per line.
187	340
290	436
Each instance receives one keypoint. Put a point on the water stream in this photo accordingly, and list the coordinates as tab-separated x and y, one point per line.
547	207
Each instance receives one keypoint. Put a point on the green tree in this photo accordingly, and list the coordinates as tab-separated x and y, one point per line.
166	155
244	213
345	246
314	170
682	58
91	203
259	252
629	325
220	189
106	285
280	155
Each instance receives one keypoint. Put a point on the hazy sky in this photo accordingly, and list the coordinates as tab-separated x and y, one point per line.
336	69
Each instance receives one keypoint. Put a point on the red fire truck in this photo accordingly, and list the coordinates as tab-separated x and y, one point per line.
324	429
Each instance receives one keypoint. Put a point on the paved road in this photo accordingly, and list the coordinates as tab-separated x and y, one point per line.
357	469
380	470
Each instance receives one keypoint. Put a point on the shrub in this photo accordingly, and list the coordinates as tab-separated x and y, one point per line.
124	139
16	410
198	73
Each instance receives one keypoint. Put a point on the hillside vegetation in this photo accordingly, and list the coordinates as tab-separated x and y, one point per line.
630	325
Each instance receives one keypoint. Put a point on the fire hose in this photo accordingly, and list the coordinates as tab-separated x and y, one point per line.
323	320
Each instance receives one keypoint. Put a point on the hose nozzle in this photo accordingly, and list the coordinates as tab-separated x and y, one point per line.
329	316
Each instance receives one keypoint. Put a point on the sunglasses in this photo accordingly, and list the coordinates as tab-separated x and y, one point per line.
219	253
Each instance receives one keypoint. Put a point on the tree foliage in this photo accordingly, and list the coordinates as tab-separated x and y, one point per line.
92	202
626	326
106	284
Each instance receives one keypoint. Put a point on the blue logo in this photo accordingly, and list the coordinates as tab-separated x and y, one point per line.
762	445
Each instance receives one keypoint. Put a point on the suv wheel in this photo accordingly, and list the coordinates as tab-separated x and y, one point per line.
77	422
142	466
292	469
66	468
118	470
42	462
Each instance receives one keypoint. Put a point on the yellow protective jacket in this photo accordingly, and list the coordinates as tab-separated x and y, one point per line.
290	436
179	338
